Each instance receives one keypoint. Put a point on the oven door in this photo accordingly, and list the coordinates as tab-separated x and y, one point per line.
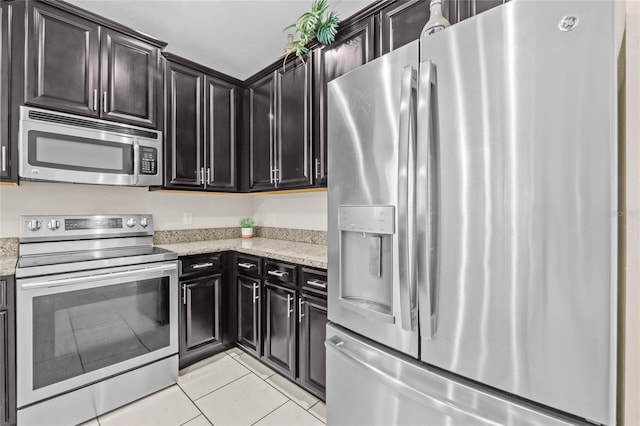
79	328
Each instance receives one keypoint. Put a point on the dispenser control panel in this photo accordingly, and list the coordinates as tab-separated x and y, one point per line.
369	219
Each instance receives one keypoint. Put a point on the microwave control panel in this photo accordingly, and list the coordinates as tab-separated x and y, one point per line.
148	161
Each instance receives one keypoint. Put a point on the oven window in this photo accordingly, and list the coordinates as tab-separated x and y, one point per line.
81	331
81	154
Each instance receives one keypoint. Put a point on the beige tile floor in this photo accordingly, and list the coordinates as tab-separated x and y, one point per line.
231	388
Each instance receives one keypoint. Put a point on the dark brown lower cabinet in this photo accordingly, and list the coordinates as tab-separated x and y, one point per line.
206	322
280	339
7	353
201	310
311	350
249	313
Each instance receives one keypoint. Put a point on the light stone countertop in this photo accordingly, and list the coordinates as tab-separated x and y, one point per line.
8	265
314	255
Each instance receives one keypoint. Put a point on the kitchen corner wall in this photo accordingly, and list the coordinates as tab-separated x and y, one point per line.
302	211
307	210
168	208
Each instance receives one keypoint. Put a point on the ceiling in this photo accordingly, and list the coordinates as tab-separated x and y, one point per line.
236	37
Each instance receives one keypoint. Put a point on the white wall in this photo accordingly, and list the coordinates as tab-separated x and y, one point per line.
302	211
208	210
306	210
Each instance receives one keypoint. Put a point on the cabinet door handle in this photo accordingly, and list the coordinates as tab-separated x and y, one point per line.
104	102
278	274
201	265
184	294
202	176
95	99
246	265
300	314
4	158
317	166
255	297
208	176
289	310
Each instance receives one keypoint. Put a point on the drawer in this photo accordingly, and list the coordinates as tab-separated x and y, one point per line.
200	264
249	265
281	272
314	280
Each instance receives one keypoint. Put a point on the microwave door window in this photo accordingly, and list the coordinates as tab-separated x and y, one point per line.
82	154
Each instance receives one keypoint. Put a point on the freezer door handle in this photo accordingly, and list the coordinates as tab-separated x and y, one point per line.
427	183
337	346
405	198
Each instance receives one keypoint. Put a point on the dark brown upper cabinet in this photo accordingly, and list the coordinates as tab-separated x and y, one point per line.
129	70
62	61
76	65
200	127
401	23
354	46
279	127
459	10
260	129
293	125
8	59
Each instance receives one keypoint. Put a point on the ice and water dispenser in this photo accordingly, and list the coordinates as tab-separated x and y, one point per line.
366	260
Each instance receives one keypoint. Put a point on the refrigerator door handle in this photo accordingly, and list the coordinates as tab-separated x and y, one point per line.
369	358
427	197
405	201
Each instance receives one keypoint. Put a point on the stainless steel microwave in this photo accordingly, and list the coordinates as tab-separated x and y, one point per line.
68	148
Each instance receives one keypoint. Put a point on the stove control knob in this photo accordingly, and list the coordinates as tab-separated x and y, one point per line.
144	222
33	225
53	224
131	222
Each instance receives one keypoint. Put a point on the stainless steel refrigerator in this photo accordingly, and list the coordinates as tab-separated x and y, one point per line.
472	224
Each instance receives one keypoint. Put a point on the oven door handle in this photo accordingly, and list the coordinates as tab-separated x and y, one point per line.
97	277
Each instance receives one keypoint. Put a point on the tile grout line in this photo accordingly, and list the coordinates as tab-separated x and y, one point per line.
271	411
283	394
217	389
195	405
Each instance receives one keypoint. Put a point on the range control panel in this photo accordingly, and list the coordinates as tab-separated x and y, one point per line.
67	227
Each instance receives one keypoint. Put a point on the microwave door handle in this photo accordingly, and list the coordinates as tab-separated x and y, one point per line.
136	161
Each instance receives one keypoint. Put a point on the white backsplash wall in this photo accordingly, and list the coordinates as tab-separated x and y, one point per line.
306	210
168	208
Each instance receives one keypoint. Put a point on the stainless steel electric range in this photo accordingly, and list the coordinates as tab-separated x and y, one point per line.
97	316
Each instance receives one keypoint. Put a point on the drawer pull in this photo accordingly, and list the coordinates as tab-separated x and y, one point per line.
246	265
278	274
201	265
317	283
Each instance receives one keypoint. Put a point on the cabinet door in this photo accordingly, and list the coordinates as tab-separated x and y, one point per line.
220	134
313	321
280	328
129	70
249	324
7	352
260	99
5	69
293	87
4	368
183	126
459	10
401	23
201	306
353	47
62	61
